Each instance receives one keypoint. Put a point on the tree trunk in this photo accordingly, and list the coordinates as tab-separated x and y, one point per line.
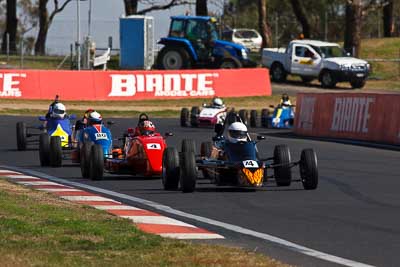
40	45
131	7
301	17
352	38
201	8
11	27
264	27
388	19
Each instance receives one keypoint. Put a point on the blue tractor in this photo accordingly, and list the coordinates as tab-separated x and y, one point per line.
193	42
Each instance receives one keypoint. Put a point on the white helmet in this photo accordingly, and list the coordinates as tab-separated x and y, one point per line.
59	111
237	132
217	102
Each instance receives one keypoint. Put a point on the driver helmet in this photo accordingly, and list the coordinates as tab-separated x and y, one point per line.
87	112
217	102
58	111
147	128
94	118
237	132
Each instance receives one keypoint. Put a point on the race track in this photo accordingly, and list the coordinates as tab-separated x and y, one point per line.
354	213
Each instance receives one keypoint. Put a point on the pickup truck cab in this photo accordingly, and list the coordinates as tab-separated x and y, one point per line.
311	59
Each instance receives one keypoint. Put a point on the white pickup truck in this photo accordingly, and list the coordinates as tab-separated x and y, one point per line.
311	59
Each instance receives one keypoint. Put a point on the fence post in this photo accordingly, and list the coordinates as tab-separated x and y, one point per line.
21	63
8	46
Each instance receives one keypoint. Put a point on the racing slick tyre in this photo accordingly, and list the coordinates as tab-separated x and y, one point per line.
264	117
358	83
188	172
205	152
170	169
173	58
85	157
309	169
282	174
244	116
44	149
253	118
21	135
278	73
184	117
327	79
230	117
55	151
96	162
188	145
194	114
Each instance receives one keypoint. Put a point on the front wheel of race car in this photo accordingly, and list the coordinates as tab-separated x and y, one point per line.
84	158
21	135
264	117
188	172
44	149
96	162
244	116
55	151
283	172
309	169
170	169
253	118
188	145
194	116
184	117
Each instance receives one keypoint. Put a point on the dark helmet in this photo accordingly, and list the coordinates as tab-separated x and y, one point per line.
146	128
285	97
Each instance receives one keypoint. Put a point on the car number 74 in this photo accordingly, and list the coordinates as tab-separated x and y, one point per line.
250	164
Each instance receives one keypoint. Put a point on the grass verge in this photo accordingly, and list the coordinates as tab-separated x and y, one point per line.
38	229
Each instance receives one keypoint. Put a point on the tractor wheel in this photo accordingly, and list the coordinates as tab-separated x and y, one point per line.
264	117
188	172
253	118
21	135
229	64
283	174
96	162
170	169
85	157
244	116
188	145
309	169
194	114
173	58
55	151
44	149
184	117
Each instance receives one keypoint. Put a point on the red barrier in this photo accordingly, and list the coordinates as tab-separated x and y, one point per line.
133	85
371	117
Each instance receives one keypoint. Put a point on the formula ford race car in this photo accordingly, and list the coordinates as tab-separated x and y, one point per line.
235	163
281	117
140	154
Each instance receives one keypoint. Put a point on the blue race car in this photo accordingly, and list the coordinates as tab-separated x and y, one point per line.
282	117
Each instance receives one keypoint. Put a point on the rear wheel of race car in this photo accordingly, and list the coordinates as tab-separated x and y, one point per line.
188	172
309	169
264	117
194	116
205	152
282	174
230	117
244	116
184	117
44	149
55	151
170	169
253	118
96	162
21	135
188	145
85	157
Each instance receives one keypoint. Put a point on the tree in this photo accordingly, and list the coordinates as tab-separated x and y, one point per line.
352	36
263	25
45	22
388	19
201	8
131	6
301	16
11	27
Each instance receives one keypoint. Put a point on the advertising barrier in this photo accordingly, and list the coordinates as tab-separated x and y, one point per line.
370	117
133	85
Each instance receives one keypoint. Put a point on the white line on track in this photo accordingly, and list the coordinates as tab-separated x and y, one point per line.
87	198
270	238
192	236
36	183
21	176
114	207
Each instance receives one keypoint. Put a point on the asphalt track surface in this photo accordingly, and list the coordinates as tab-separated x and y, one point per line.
353	214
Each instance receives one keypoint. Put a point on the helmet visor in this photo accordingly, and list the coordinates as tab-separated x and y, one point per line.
58	111
238	134
147	132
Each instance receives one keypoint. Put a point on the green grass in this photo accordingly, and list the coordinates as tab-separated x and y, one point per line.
38	229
